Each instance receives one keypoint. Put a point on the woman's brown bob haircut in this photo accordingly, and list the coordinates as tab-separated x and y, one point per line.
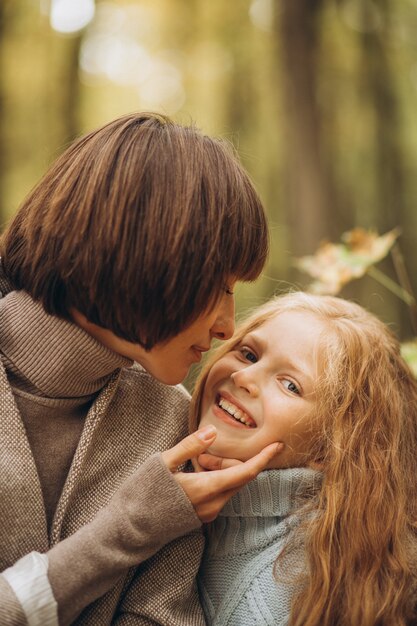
138	225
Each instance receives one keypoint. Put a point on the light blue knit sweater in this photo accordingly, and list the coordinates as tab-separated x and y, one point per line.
236	581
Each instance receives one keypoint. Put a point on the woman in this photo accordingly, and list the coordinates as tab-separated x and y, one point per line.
118	271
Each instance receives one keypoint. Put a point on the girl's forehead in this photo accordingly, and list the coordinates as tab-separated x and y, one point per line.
296	322
295	334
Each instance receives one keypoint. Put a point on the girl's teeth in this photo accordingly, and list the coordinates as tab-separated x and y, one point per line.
234	412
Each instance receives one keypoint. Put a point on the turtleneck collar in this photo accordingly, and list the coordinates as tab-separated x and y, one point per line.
50	356
261	513
274	493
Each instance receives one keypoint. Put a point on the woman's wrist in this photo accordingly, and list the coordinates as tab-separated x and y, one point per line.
29	580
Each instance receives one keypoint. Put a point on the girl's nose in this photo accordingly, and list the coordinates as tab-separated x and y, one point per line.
244	380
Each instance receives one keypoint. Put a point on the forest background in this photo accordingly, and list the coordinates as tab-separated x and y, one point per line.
318	96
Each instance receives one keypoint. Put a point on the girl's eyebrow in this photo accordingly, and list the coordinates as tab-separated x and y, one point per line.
258	342
295	365
303	372
252	336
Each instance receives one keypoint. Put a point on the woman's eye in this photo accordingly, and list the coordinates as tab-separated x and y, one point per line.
288	384
228	290
249	355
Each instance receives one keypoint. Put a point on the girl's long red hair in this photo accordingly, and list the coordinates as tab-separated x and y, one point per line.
359	529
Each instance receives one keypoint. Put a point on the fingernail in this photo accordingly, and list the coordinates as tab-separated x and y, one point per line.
206	433
279	447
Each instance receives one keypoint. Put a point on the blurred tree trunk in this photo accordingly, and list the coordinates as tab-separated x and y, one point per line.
379	83
39	98
308	177
7	15
69	96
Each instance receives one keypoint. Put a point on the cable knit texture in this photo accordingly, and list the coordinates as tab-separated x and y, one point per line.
82	480
236	580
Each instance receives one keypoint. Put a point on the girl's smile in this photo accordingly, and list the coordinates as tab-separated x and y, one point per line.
264	390
228	409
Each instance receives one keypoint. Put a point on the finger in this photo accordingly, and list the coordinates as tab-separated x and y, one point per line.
208	511
211	462
196	465
191	446
239	475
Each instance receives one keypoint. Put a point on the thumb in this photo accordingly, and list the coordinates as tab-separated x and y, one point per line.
190	447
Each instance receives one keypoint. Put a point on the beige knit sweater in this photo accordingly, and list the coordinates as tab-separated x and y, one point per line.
80	478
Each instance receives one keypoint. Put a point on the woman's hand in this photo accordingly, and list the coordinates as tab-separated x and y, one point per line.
209	491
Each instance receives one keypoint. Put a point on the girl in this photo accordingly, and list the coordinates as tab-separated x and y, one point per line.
326	536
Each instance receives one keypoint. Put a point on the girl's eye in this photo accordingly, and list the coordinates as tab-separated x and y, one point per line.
248	355
288	384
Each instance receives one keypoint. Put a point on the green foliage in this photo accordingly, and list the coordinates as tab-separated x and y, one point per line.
409	352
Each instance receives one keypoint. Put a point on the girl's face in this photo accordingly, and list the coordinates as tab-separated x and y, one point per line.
264	390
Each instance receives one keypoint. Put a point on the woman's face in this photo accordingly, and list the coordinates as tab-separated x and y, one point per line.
170	361
263	391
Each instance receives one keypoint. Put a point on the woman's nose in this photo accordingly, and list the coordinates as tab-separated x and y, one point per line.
224	324
244	380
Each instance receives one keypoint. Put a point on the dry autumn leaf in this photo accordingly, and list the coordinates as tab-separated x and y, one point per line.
334	265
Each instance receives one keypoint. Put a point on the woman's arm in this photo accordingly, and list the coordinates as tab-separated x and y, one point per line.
164	591
154	506
148	511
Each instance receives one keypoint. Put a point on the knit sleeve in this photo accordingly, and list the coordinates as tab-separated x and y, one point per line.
147	512
164	590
